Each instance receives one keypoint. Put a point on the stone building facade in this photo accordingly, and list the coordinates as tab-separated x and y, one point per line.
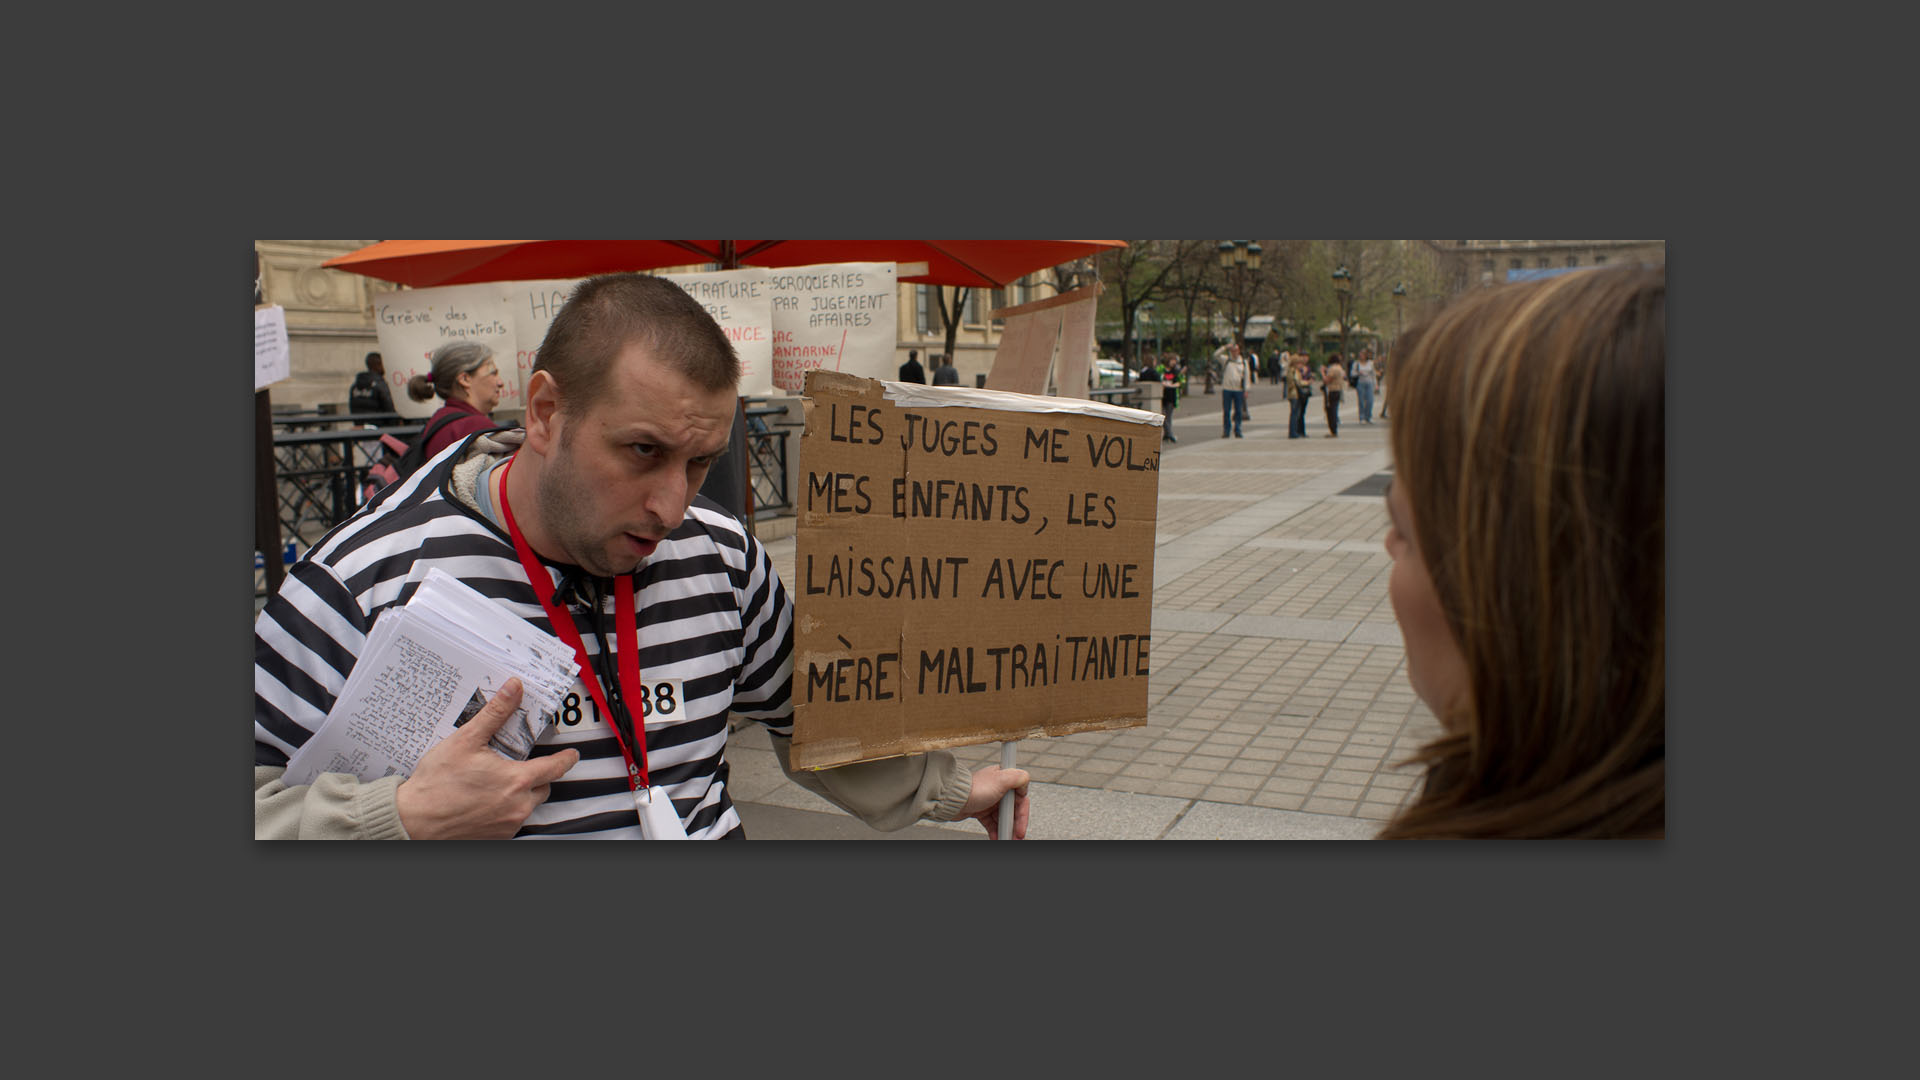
1492	262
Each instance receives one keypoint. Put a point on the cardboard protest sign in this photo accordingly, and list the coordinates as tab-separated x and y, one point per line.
1024	361
1050	337
1076	344
838	317
412	323
272	355
971	566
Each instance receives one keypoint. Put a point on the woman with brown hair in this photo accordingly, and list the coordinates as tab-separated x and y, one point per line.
1528	533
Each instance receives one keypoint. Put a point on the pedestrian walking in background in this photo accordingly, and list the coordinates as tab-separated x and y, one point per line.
1299	390
911	371
1234	381
1153	375
1333	380
1363	384
369	393
944	373
1530	588
1170	376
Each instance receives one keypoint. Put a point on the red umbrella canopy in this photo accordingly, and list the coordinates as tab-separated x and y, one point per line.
424	263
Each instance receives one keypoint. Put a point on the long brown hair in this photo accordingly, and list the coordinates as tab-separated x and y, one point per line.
1529	437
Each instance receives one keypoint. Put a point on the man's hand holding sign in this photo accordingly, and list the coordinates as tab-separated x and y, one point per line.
972	566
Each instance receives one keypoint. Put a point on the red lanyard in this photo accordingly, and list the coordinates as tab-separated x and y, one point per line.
628	653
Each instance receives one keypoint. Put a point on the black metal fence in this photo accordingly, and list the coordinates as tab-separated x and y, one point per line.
767	456
319	474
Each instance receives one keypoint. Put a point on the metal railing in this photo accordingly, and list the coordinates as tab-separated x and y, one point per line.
767	456
319	475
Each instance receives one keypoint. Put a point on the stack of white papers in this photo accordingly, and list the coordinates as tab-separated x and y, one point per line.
428	667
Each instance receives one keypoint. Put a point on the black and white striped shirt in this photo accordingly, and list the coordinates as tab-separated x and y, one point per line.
716	627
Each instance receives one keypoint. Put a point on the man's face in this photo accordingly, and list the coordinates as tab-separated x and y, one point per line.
627	466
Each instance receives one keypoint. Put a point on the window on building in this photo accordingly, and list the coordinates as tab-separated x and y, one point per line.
1487	267
1573	260
970	308
926	320
1513	264
1541	262
998	301
1599	260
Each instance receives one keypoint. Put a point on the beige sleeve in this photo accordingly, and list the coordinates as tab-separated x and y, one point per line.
333	807
891	793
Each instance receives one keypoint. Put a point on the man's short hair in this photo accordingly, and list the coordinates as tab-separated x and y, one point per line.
606	313
372	359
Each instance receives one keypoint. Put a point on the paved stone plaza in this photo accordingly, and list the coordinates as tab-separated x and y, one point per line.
1278	707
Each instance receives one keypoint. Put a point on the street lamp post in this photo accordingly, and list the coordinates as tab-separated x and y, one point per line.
1240	262
1343	293
1399	296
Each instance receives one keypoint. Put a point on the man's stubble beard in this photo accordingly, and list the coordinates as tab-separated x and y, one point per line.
561	496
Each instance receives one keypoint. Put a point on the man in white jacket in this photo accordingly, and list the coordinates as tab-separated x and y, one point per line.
1234	380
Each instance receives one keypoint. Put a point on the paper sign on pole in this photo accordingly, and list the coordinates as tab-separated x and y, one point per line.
741	301
971	566
412	323
272	357
837	317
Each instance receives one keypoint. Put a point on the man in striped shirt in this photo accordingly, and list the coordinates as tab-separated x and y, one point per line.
629	404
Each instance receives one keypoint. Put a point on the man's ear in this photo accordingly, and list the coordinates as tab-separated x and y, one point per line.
542	417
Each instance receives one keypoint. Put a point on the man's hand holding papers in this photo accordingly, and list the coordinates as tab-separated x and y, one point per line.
463	789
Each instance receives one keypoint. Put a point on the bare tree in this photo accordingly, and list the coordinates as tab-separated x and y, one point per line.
1137	274
1191	279
950	316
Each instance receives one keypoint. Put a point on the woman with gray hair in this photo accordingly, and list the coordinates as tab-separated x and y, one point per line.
464	374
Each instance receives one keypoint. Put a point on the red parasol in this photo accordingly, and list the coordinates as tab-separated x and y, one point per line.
977	263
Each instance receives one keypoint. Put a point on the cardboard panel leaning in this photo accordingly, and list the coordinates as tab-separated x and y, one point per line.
971	566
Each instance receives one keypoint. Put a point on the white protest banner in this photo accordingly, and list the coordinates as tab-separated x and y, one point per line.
272	358
534	304
838	317
742	303
414	322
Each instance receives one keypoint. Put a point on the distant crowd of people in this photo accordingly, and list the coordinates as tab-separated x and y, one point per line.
1234	375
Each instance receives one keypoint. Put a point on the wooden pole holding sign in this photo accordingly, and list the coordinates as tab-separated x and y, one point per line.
266	480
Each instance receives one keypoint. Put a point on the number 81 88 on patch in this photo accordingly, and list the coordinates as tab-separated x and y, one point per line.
660	702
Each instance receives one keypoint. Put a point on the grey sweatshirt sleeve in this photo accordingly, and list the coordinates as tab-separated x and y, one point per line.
891	793
334	807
